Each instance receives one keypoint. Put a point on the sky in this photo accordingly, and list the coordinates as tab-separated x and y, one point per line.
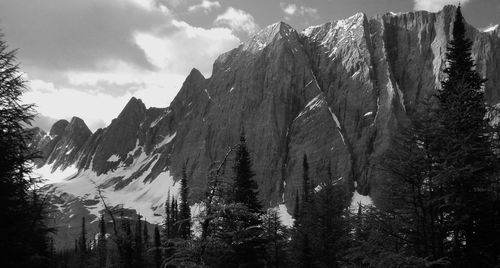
87	58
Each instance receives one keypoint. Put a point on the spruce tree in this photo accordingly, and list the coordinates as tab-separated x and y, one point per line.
243	213
138	243
245	188
464	155
157	247
304	223
83	244
145	235
23	213
184	210
102	243
443	199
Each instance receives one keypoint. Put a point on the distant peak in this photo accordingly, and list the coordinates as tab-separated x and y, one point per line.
77	122
195	73
133	105
350	23
59	127
264	37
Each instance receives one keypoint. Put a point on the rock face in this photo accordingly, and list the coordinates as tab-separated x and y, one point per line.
334	92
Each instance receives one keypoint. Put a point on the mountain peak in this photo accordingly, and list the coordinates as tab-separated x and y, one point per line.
58	127
78	123
267	35
133	105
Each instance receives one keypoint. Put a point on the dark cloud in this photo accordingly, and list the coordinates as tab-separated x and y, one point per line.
77	35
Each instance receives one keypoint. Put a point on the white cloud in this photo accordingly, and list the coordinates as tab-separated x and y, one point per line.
173	49
294	10
186	47
436	5
206	6
238	20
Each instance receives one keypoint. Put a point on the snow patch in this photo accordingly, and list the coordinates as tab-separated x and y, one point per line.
359	200
315	103
208	94
166	140
55	176
490	28
113	158
285	217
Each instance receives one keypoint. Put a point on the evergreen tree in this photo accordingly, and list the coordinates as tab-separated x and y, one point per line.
102	243
442	201
468	168
296	210
245	187
126	245
83	244
184	210
277	236
145	235
243	216
138	243
304	223
157	247
19	202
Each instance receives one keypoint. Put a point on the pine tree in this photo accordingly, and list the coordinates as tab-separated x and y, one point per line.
304	223
277	235
83	244
296	210
443	198
244	187
102	243
157	247
126	245
243	219
18	199
145	235
465	156
138	243
184	210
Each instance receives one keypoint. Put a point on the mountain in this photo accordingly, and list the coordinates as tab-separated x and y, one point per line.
335	92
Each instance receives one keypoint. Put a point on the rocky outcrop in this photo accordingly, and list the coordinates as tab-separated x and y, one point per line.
335	92
61	147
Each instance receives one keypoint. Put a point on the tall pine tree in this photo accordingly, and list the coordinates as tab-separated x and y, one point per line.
244	187
23	213
102	243
184	210
467	165
157	247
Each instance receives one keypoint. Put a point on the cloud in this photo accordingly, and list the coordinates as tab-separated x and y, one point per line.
238	20
88	58
96	108
294	10
436	5
206	6
185	46
63	34
43	122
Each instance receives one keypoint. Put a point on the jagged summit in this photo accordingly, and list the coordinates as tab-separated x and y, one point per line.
133	106
267	35
350	23
58	127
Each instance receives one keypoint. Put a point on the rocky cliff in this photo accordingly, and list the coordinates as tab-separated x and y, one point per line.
335	92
